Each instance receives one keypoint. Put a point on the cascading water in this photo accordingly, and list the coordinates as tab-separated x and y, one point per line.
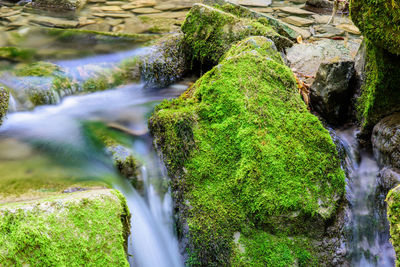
368	228
56	132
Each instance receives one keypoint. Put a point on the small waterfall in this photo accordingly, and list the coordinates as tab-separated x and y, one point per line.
57	131
368	228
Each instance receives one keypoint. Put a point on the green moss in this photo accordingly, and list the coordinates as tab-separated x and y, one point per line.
99	83
16	54
244	151
393	213
4	99
380	93
76	229
379	21
210	32
37	69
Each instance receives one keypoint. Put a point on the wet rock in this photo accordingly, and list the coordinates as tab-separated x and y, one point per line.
146	10
70	229
349	28
388	178
166	63
54	22
332	91
320	3
296	11
386	141
298	21
59	5
255	3
305	58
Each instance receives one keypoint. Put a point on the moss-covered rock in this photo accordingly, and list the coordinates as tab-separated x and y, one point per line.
74	229
165	63
380	92
250	166
43	82
393	213
379	21
210	32
4	99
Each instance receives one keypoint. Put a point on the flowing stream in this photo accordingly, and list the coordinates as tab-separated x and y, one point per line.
368	225
58	133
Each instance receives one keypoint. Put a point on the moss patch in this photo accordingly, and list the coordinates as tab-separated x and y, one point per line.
379	20
380	93
247	156
210	32
75	230
393	201
16	54
4	99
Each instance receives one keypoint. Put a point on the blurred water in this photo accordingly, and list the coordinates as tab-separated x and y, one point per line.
58	132
369	235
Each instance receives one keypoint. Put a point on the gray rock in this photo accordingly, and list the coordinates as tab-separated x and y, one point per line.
386	141
331	91
166	63
258	3
298	21
320	3
59	5
305	58
388	178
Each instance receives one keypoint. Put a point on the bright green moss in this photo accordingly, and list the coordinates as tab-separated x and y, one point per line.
210	32
16	54
79	229
379	21
393	213
245	152
380	93
4	98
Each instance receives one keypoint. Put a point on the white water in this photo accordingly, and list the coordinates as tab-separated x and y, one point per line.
368	227
57	130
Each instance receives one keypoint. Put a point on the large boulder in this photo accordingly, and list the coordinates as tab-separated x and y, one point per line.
256	177
73	229
210	31
331	92
379	21
386	141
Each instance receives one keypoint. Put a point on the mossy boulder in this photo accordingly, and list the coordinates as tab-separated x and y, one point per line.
380	91
4	99
73	229
393	213
255	175
379	21
210	31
